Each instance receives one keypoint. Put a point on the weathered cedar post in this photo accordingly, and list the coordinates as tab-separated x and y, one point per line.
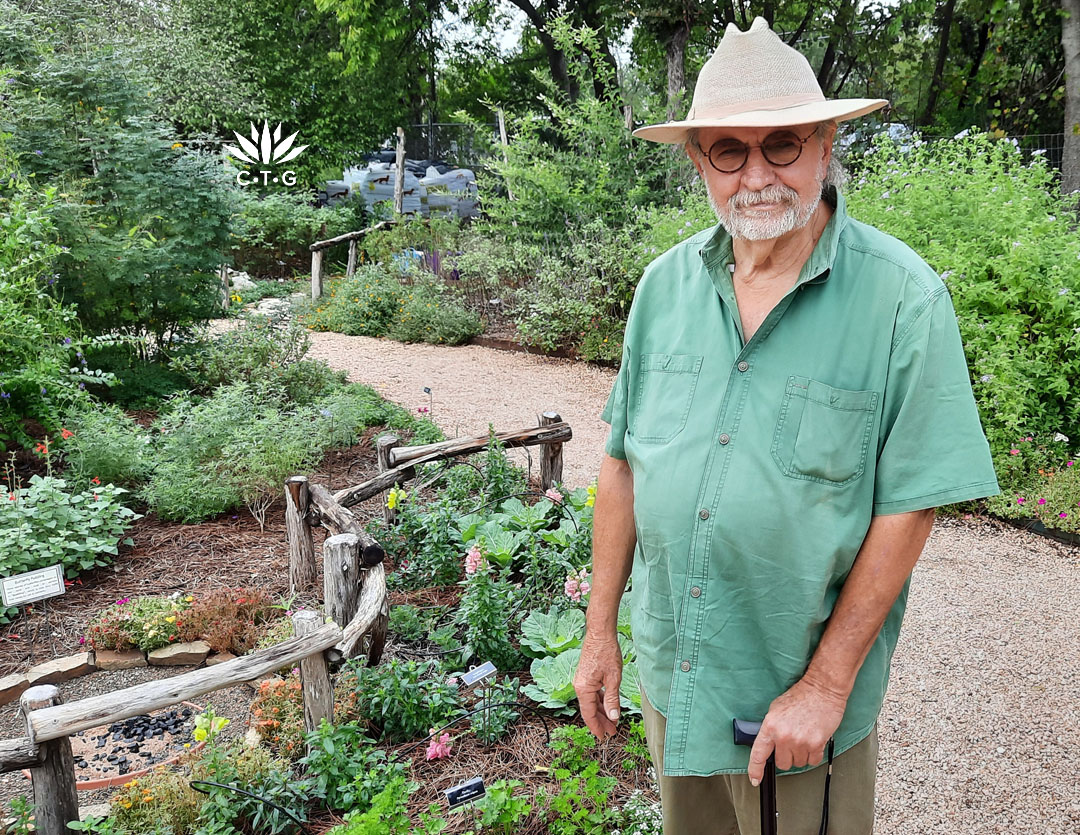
399	174
341	577
350	268
314	675
383	446
551	455
56	803
316	273
223	275
298	531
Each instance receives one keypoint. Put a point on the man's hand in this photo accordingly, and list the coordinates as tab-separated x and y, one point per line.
597	680
797	728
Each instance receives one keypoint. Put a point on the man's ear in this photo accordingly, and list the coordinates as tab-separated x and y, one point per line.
696	159
827	145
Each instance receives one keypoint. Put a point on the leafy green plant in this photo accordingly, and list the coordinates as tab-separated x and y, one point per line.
407	623
278	715
495	722
347	771
553	681
46	523
20	816
262	352
162	801
1040	480
401	700
636	747
385	817
106	444
500	809
581	803
485	609
428	313
552	632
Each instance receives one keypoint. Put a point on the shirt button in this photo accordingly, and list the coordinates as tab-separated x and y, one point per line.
703	513
725	438
685	666
695	591
743	366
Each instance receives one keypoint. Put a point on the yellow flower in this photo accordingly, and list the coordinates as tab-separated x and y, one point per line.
178	145
171	619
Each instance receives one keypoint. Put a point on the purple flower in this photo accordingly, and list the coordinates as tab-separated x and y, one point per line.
82	386
5	395
40	153
67	340
43	391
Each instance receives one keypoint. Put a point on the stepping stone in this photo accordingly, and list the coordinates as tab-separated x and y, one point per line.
179	655
107	659
61	669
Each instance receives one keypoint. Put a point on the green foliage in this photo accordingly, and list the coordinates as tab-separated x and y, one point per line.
581	804
402	700
108	445
553	681
500	809
134	381
1040	480
347	771
46	523
636	747
1005	244
385	817
20	816
552	632
407	623
40	334
493	724
428	313
264	352
485	610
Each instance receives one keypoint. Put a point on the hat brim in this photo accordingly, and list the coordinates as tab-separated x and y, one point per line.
837	110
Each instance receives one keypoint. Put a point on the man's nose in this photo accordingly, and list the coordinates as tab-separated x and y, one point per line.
757	172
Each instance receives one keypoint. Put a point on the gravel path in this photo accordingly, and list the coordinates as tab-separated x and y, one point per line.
981	727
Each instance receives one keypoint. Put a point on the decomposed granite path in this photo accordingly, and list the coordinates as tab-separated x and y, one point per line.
981	727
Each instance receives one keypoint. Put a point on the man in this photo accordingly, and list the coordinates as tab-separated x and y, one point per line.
793	402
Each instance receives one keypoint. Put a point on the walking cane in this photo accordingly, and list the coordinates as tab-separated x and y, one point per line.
745	734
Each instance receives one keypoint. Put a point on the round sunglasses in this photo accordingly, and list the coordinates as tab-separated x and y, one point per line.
780	148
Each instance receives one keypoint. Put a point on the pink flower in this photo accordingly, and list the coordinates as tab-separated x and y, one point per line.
1019	499
82	641
474	560
1069	463
1042	501
554	495
1029	439
452	681
438	748
123	600
1063	515
1014	452
577	585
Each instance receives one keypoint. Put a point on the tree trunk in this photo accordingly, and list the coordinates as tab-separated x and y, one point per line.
945	27
1070	46
676	69
556	57
976	62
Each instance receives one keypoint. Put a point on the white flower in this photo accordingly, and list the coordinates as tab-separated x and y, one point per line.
1063	291
885	196
1061	439
962	134
1038	152
986	378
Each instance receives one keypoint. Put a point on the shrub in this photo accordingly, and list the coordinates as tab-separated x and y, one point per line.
107	444
40	335
278	715
162	801
46	523
403	700
229	620
346	769
134	381
428	313
261	352
1040	480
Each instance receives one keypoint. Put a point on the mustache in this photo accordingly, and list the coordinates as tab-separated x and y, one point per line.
775	193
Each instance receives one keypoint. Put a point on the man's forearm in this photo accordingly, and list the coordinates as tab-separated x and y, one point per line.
614	539
888	554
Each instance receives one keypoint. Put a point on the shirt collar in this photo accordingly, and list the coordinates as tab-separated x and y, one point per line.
717	253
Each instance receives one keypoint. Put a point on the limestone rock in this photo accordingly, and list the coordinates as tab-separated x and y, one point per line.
241	281
179	655
61	669
11	687
219	658
107	659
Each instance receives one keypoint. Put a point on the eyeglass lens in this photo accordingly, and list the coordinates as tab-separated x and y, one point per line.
780	148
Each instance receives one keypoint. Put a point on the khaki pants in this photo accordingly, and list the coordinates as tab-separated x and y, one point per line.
728	805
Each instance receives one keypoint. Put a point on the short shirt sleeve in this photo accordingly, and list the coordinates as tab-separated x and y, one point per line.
932	450
616	409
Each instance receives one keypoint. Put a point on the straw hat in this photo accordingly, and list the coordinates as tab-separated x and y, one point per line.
755	80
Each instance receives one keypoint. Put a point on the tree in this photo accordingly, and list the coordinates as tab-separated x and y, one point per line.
1070	47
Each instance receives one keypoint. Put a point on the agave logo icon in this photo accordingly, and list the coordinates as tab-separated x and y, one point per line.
265	149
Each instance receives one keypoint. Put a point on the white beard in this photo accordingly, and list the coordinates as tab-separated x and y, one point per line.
758	227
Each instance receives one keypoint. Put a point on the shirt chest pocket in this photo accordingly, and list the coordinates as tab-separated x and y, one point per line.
823	433
665	390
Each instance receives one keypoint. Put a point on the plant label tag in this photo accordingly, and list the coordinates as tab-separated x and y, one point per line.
465	792
478	674
32	586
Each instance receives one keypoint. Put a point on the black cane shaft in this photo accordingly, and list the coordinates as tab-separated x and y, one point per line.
768	798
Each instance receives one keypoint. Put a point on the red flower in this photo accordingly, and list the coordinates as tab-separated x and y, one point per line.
65	434
42	449
95	480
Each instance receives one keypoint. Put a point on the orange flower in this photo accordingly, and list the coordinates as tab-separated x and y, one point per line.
65	434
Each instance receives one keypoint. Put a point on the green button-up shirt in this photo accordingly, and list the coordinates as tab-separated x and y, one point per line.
758	466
